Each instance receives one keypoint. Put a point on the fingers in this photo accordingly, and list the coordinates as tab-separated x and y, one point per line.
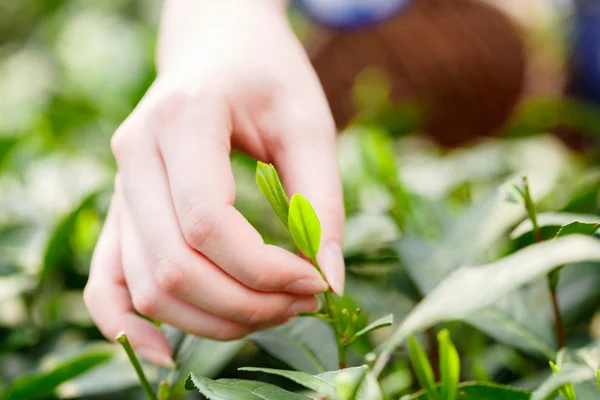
196	157
194	295
308	164
107	299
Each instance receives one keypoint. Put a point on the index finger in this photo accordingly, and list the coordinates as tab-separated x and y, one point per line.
195	149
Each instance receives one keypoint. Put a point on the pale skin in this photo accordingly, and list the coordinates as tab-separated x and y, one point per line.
231	75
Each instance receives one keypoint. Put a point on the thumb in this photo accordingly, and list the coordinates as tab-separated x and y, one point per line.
308	165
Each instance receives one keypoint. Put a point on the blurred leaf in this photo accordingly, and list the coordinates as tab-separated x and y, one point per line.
552	220
204	357
305	344
569	374
304	226
236	389
378	324
449	366
567	391
577	227
470	289
270	184
15	285
114	376
369	387
513	191
59	248
366	233
6	145
422	367
473	232
313	382
43	384
481	391
520	319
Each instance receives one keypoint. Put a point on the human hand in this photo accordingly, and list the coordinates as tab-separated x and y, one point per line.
173	248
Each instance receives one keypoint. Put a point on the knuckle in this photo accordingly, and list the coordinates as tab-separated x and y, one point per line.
258	316
169	105
250	312
259	280
170	275
146	303
197	223
123	140
230	332
91	295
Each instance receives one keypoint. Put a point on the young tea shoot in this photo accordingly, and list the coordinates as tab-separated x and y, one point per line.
303	224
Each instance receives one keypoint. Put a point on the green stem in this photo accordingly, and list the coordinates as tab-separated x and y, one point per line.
332	313
164	390
122	339
552	279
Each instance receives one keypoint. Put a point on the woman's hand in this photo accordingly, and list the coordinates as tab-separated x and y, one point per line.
173	248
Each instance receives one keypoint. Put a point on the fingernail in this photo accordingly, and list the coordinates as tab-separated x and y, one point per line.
331	260
307	286
304	305
156	357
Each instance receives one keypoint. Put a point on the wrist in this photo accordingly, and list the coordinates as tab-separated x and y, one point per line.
186	23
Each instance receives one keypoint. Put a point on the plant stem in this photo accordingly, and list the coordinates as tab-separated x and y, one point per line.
337	329
558	326
552	281
334	317
122	339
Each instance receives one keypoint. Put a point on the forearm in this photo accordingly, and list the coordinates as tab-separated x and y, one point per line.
184	23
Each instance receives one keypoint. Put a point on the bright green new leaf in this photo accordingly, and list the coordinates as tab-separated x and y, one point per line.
378	324
449	366
42	385
312	382
237	389
422	367
304	226
270	185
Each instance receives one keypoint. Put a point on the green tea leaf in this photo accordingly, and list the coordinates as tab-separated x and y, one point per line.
378	324
470	289
550	219
305	344
482	391
237	389
449	366
422	367
43	384
569	374
567	391
583	228
369	388
312	382
304	226
271	186
349	381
